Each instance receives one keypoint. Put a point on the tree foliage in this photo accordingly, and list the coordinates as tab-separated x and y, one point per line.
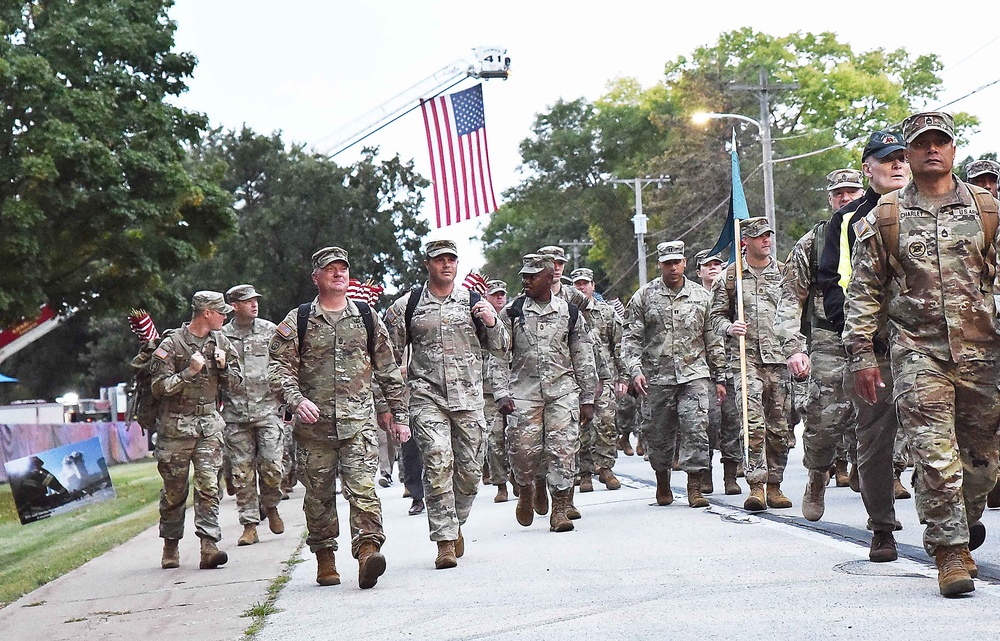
96	203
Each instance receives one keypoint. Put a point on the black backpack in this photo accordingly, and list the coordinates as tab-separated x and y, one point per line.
366	317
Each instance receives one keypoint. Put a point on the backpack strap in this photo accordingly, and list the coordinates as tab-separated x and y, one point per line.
887	225
303	323
516	314
411	306
574	313
987	206
366	317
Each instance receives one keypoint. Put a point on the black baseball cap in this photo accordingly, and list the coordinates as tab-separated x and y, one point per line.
882	143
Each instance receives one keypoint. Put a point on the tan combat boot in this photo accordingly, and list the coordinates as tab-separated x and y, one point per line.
446	555
625	445
899	490
501	496
371	565
606	476
664	495
695	498
460	544
558	521
171	555
729	478
968	562
541	501
755	502
776	498
249	536
993	498
843	478
326	567
274	522
586	482
813	504
571	512
707	486
854	479
211	556
953	577
524	512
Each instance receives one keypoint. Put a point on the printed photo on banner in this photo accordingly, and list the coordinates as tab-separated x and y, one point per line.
59	480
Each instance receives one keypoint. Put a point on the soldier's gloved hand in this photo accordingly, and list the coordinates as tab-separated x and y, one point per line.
639	384
739	328
505	406
586	413
197	363
307	411
220	358
400	432
799	366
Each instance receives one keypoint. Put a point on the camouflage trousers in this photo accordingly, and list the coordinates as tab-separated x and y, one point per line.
288	465
767	411
725	431
627	415
174	459
355	460
543	439
828	412
451	452
497	467
681	407
949	413
597	438
877	432
255	451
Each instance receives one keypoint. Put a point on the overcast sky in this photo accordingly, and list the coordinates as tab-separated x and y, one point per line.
307	68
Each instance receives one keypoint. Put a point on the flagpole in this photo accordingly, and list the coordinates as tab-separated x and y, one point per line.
743	341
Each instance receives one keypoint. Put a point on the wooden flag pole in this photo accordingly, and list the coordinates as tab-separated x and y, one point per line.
743	340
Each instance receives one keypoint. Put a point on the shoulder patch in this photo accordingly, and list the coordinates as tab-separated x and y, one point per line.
390	314
865	228
160	353
275	345
284	329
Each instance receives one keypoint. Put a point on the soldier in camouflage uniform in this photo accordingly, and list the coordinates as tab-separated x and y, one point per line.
597	438
767	376
445	376
549	393
190	370
829	420
725	432
673	355
497	466
926	258
254	432
326	377
984	173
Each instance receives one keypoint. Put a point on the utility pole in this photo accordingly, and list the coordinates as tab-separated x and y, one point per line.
764	91
575	246
640	219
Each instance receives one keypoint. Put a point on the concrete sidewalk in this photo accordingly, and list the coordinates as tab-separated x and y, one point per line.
124	594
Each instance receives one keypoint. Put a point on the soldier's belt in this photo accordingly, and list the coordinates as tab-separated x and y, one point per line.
204	409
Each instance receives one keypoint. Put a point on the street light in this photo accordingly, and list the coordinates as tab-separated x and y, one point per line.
764	129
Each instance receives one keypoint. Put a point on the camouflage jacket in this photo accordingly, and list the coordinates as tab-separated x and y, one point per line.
607	336
335	372
588	308
760	304
796	287
547	361
189	405
446	362
668	337
942	304
257	401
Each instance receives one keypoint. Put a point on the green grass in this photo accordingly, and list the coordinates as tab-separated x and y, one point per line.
34	554
259	611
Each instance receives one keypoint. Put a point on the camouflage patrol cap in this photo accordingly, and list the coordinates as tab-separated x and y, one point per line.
582	273
556	253
703	257
241	293
670	250
496	286
438	247
214	301
327	255
534	263
927	120
839	178
980	167
754	227
881	144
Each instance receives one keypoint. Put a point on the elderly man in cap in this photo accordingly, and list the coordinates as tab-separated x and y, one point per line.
984	173
881	451
598	450
724	431
324	357
549	393
673	356
190	370
253	437
496	470
447	332
925	262
767	377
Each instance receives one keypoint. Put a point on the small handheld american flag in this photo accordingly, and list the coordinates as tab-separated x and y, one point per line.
142	325
476	282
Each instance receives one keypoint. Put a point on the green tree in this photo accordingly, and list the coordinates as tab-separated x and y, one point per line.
97	207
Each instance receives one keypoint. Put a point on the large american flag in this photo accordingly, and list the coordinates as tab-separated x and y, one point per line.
459	153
